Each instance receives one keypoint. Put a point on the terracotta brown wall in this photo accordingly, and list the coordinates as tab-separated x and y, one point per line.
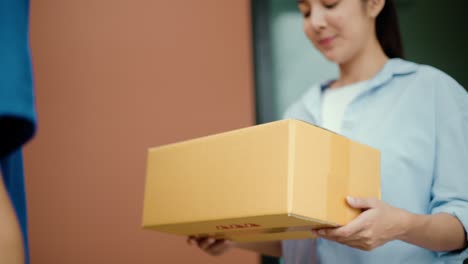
113	78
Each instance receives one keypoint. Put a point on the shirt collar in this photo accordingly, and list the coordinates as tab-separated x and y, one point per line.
392	68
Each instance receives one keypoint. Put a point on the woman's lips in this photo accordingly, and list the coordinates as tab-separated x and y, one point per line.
326	41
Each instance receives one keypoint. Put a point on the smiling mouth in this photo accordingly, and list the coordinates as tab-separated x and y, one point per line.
326	41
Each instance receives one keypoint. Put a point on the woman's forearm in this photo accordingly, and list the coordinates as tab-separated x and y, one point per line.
437	232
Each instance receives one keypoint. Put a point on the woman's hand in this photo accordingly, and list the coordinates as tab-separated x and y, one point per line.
214	247
378	224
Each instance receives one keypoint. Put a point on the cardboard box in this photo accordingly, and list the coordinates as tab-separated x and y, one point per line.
267	182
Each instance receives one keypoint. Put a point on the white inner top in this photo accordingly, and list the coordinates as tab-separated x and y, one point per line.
334	103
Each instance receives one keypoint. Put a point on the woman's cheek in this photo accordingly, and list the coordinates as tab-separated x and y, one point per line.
335	22
309	32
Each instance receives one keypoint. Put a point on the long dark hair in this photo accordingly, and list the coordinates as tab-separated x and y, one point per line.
388	31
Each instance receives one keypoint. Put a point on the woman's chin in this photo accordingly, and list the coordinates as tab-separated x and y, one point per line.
331	56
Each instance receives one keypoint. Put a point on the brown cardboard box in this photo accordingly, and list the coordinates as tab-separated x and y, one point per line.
268	182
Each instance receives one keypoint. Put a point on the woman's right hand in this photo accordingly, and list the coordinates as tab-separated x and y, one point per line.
210	245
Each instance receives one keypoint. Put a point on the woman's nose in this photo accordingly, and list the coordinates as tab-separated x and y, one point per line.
317	19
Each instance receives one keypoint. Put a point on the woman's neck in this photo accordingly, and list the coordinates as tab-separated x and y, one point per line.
363	66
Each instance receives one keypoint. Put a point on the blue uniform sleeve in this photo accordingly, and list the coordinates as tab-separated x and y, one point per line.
450	186
12	171
17	115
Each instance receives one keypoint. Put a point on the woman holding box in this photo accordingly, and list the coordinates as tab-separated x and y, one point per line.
416	115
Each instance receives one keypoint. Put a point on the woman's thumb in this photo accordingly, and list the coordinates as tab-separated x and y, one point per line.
361	203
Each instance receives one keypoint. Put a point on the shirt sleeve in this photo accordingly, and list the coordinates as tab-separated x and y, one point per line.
17	115
450	186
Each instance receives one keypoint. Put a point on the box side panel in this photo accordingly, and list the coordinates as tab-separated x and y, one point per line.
291	163
231	175
312	165
338	179
364	179
355	172
329	167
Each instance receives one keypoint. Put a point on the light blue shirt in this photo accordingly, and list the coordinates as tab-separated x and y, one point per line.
417	116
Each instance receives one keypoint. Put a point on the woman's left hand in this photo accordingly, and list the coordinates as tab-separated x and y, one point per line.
378	224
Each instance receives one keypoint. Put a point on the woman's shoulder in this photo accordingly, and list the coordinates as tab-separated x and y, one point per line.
427	79
427	73
303	107
447	93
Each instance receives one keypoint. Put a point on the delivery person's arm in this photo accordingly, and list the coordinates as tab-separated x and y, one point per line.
219	247
11	244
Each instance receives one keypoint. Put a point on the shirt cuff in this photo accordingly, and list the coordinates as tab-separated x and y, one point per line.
459	209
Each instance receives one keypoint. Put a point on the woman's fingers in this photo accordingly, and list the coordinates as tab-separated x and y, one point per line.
219	247
211	245
206	243
191	240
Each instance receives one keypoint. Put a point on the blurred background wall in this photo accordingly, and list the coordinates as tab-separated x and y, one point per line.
113	78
